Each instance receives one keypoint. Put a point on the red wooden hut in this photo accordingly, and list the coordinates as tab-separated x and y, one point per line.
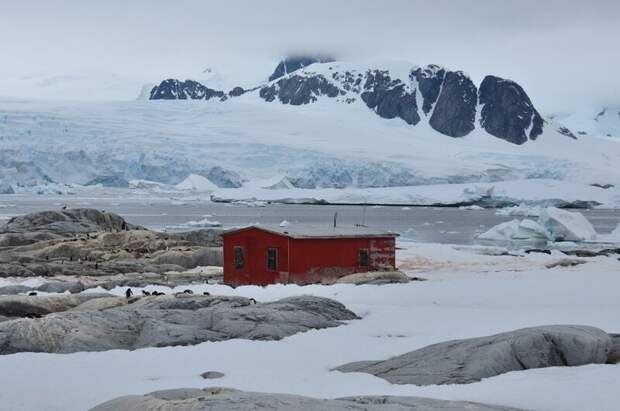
263	255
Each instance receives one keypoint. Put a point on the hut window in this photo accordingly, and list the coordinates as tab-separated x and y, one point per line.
239	257
362	257
272	258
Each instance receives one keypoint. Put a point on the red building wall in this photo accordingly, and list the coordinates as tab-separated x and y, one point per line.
301	260
255	243
318	260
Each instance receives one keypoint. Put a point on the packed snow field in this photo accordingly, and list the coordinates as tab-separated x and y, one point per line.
249	149
471	291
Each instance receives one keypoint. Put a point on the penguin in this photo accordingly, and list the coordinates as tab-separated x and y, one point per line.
145	293
188	291
32	293
128	293
206	293
252	301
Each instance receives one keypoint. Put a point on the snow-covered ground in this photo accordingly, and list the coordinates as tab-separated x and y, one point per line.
471	291
327	145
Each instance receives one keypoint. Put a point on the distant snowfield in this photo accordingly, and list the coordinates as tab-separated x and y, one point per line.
331	143
469	293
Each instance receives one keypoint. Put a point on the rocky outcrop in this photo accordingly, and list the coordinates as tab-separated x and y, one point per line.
91	242
34	227
455	111
37	306
294	63
614	351
297	90
172	89
507	111
375	278
470	360
429	80
197	399
160	321
390	98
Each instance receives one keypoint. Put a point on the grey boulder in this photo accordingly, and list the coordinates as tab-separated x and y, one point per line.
14	289
470	360
159	321
195	399
34	306
614	352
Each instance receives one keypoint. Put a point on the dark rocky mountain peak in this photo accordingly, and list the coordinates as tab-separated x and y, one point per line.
507	111
293	63
173	89
448	101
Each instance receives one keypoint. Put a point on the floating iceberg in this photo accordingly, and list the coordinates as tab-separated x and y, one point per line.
562	225
553	224
515	230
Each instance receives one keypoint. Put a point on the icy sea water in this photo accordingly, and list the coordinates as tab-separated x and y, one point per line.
424	224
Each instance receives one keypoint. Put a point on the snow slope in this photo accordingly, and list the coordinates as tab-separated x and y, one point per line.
326	145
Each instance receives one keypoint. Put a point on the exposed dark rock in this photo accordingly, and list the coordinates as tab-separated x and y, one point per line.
159	321
214	398
470	360
507	111
389	98
72	287
236	92
614	352
603	186
297	90
455	111
173	89
291	64
566	132
211	375
429	81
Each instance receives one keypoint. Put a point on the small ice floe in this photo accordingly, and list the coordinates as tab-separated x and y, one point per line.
205	222
553	224
514	230
471	207
284	223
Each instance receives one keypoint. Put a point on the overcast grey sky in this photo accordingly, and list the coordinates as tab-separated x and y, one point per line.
564	53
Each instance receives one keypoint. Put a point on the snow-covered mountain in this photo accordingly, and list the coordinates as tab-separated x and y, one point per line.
323	126
602	122
447	100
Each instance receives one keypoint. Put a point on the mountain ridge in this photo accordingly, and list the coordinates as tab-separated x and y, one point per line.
448	100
